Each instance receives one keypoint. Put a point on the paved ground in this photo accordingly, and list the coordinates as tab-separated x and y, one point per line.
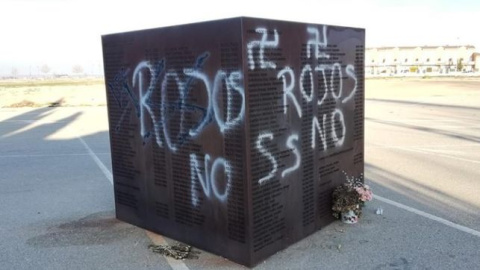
422	159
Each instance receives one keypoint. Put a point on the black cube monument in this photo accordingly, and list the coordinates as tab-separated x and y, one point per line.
231	135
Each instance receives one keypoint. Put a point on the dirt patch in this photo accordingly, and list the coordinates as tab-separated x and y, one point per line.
96	229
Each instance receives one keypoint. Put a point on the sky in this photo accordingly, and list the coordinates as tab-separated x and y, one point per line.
64	33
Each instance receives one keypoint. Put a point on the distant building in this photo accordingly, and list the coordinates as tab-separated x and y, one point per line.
421	60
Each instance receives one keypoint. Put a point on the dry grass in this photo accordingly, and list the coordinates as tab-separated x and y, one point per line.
23	103
49	82
52	92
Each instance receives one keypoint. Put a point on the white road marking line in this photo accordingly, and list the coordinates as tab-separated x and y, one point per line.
372	145
429	216
458	124
50	155
448	127
438	154
467	118
440	151
408	120
156	238
95	158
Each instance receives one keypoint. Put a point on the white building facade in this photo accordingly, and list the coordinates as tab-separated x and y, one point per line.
421	60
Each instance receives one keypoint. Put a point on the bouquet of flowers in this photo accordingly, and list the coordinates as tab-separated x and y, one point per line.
351	196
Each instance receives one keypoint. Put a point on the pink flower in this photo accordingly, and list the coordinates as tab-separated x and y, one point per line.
365	193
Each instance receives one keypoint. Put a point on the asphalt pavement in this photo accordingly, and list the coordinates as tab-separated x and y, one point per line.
422	161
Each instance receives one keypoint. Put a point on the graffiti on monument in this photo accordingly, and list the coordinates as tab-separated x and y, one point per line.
135	87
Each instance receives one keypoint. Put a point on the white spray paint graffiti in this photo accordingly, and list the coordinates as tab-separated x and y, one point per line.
208	87
338	68
338	141
204	178
288	90
232	82
222	196
142	97
262	44
321	131
316	43
306	68
208	180
298	157
267	154
351	73
321	68
164	107
332	85
145	97
169	81
336	80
